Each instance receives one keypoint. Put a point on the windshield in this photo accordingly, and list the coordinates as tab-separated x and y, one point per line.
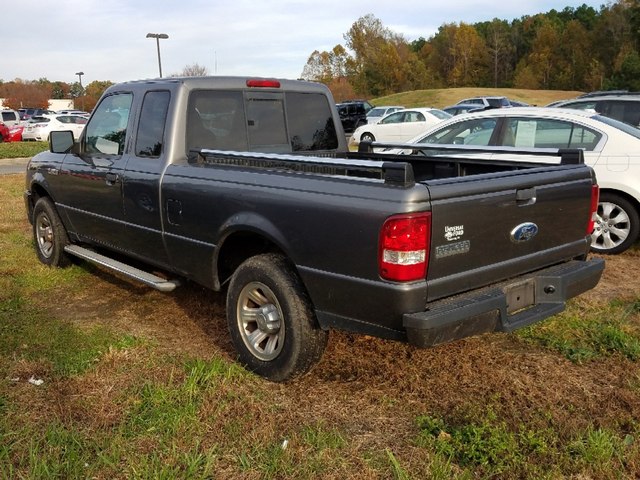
633	131
376	112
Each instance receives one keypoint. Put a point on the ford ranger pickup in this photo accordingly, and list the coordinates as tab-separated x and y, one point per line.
246	185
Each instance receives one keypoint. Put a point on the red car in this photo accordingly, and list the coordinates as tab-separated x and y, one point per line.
10	134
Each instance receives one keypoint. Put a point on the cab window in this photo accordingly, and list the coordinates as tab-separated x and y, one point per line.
216	120
310	122
149	139
107	130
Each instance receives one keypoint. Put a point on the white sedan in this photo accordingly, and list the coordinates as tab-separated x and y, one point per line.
38	128
611	148
398	126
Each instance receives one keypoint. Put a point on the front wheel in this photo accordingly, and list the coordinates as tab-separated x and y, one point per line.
271	320
49	234
367	137
617	225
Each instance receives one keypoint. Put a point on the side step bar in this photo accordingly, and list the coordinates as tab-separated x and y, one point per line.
147	278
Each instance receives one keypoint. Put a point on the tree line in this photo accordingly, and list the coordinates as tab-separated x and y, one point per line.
20	93
574	49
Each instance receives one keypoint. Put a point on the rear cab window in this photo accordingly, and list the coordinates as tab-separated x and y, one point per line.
261	121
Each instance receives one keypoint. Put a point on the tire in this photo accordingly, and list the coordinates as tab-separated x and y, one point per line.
617	225
49	234
367	137
271	320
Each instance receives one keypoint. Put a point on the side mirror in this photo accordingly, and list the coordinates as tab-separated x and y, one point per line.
61	141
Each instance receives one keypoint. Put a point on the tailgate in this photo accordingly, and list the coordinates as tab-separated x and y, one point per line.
488	228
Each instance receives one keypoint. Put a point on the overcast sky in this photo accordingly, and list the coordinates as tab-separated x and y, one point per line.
106	39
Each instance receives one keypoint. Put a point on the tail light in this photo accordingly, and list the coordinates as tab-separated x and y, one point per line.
404	247
595	196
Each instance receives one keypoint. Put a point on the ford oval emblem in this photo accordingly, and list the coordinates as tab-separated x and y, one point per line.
524	232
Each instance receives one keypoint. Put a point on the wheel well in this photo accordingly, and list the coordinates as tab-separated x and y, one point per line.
632	200
37	192
238	247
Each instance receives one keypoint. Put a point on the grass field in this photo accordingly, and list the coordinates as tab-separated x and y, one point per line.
102	378
21	149
440	98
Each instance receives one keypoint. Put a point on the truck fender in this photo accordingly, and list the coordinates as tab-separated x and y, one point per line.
241	236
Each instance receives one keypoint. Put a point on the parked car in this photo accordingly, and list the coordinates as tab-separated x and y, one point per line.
602	93
38	128
461	108
376	113
9	117
625	108
10	134
27	113
72	112
611	147
487	102
353	113
398	126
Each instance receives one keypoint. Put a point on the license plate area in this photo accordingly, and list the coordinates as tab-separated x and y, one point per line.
520	296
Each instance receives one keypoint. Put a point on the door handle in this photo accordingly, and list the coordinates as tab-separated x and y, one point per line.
112	178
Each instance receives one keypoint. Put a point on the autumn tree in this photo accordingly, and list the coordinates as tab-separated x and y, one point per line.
325	67
469	57
575	57
543	58
93	92
500	50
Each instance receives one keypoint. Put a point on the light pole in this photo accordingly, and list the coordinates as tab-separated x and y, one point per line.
81	89
158	36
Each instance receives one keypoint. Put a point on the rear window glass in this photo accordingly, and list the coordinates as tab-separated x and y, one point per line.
216	120
256	121
526	132
634	132
310	122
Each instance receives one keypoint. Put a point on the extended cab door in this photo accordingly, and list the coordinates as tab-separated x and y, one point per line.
92	197
141	180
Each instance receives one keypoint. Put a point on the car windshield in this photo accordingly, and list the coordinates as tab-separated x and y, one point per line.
442	115
633	131
376	112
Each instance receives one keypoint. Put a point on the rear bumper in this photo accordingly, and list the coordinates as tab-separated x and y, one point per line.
505	307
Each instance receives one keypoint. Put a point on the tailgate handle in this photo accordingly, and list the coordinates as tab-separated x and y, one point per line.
525	196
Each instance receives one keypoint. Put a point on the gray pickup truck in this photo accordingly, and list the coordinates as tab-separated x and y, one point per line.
246	185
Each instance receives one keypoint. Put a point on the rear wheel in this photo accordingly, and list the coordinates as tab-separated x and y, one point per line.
271	320
49	234
617	225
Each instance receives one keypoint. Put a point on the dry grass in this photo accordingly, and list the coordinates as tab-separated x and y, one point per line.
440	98
140	408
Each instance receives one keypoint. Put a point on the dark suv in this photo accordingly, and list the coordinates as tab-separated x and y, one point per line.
625	107
353	113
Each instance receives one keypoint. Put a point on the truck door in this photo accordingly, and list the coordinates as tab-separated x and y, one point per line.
95	174
141	180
